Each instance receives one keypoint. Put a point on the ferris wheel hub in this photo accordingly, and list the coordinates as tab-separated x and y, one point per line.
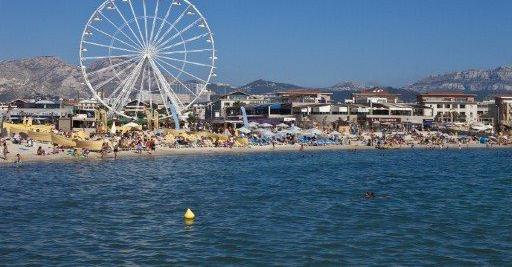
150	52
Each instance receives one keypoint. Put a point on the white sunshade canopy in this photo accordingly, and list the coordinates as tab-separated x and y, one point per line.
253	124
313	132
244	130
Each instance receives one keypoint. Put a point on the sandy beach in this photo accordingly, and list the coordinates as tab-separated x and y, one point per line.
29	154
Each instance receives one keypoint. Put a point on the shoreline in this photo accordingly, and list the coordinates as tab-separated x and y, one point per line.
32	158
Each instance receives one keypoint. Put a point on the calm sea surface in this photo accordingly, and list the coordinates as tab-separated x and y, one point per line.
432	207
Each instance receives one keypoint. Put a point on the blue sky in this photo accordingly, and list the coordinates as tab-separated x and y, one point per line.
310	43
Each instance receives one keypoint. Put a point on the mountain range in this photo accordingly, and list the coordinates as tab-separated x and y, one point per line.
40	77
51	77
499	79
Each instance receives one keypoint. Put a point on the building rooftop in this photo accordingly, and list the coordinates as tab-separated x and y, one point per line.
46	102
448	94
393	106
235	93
504	96
303	92
374	92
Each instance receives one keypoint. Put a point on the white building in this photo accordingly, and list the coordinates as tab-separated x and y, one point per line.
88	105
450	107
217	109
504	113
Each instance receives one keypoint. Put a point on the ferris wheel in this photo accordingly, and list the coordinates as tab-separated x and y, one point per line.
158	53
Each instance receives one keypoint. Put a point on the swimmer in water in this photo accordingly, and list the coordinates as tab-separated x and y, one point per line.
18	159
369	195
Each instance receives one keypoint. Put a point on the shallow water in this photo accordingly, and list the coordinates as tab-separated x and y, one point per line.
432	207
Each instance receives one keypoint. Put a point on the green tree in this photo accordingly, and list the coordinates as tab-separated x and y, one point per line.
192	119
237	105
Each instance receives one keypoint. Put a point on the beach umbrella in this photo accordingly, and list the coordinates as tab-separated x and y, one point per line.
159	132
253	124
294	130
281	134
313	132
335	133
266	125
113	130
265	133
244	130
130	126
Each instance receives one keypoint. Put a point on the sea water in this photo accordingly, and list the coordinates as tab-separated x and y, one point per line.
449	207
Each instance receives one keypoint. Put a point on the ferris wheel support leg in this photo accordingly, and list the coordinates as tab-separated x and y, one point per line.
175	116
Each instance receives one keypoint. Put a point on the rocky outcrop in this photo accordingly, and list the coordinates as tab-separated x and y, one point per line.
499	79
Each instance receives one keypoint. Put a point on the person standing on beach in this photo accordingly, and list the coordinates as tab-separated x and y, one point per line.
116	150
5	150
138	147
153	145
104	150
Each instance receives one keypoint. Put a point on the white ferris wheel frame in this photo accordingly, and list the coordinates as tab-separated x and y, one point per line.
175	108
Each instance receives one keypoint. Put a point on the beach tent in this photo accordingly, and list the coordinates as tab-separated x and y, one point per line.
282	125
266	125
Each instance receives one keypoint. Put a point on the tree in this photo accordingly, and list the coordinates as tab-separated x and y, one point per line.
237	105
192	119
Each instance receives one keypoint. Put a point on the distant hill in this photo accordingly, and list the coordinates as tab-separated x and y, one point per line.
221	88
346	86
50	77
265	87
495	80
44	77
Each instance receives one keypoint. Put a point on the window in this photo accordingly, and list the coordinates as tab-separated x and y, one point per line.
439	106
448	106
462	106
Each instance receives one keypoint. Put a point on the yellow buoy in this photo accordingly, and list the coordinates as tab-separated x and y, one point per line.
189	215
